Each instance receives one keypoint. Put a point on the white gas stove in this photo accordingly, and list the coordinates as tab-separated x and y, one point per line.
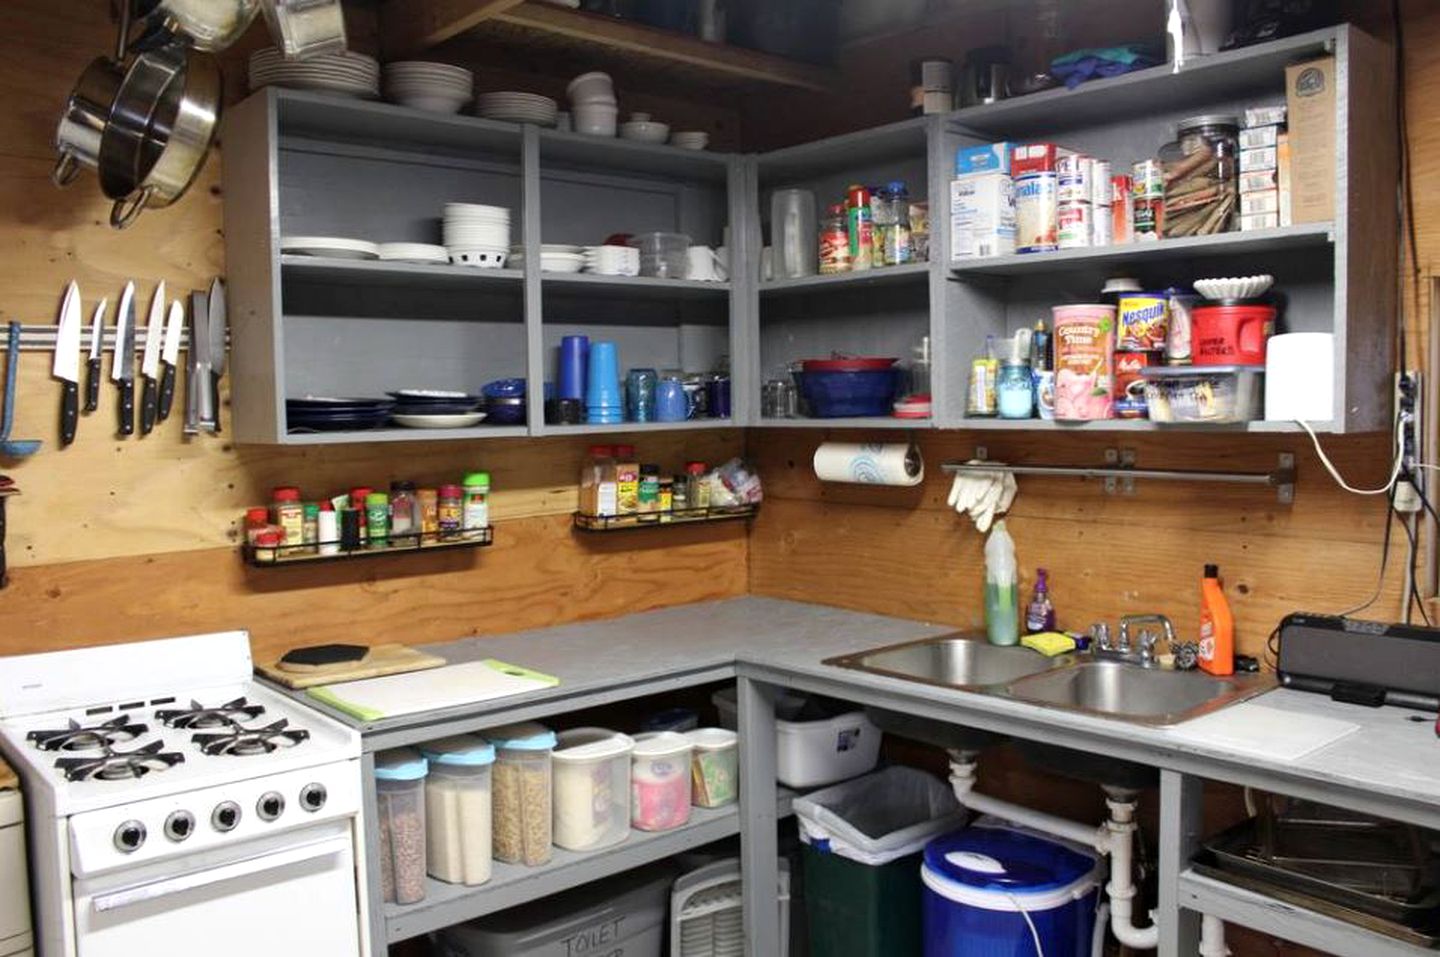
173	799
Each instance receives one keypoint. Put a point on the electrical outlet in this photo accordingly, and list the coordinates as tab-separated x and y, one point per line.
1408	406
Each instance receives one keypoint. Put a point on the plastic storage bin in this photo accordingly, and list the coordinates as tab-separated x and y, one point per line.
522	793
814	752
714	767
994	890
457	809
592	788
621	915
706	919
660	781
862	850
400	795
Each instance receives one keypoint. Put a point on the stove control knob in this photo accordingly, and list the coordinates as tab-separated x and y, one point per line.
312	797
225	816
179	825
270	806
129	836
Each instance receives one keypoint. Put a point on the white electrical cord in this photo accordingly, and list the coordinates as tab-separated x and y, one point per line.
1335	474
1034	934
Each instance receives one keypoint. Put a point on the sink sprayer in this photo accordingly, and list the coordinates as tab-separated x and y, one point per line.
1115	838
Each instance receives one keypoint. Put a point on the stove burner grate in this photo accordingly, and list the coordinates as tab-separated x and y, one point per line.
115	765
240	741
97	737
197	716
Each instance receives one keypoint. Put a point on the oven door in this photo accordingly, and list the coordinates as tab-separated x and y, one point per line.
293	894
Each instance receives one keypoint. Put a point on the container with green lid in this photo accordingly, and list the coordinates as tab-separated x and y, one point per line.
458	809
477	504
377	520
399	785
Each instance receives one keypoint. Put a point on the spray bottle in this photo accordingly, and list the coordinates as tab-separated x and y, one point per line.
1040	613
1002	598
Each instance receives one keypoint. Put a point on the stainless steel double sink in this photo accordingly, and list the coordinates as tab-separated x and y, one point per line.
1076	683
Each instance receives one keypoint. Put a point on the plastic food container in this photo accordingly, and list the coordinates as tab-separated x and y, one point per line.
814	752
592	788
1206	394
660	781
400	794
522	793
842	393
457	809
662	254
714	767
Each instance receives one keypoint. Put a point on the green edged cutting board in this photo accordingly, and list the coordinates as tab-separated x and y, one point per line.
436	689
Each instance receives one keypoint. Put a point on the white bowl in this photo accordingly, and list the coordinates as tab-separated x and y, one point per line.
1234	287
590	84
414	253
690	140
478	258
596	120
644	131
432	103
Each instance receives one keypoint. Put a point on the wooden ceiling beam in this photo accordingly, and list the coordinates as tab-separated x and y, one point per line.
410	27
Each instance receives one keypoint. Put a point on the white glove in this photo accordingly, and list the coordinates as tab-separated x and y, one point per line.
982	494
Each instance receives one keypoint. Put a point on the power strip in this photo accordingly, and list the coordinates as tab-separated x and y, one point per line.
1408	406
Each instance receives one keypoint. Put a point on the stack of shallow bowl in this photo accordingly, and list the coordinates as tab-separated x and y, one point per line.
477	235
434	87
554	257
349	74
690	139
516	107
612	260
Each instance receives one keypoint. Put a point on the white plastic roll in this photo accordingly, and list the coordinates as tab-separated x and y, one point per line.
1300	377
869	463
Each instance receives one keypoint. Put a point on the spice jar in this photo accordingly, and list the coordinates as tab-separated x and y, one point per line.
698	488
648	495
327	530
402	510
450	512
377	519
667	497
399	791
427	506
680	493
358	495
834	242
457	809
476	514
267	544
257	520
1202	176
521	793
287	512
310	535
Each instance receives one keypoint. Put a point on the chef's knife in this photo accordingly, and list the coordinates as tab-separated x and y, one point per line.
218	333
194	371
92	365
122	370
67	362
170	355
150	364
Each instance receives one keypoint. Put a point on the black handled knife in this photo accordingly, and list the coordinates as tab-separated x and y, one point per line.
66	367
169	356
122	370
150	365
92	365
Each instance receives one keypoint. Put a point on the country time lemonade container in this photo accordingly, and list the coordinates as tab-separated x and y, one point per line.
1084	344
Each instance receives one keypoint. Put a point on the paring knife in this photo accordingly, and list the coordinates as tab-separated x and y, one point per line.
216	326
92	365
170	355
150	364
122	370
194	373
67	362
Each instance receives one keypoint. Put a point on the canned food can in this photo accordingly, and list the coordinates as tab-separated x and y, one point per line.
1122	219
1036	213
1100	183
1148	218
1045	394
1073	174
1075	221
1149	180
1102	228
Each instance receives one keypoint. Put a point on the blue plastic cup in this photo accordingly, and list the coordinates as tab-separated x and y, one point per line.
602	386
574	354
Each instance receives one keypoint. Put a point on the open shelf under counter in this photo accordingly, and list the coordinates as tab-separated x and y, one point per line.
596	428
865	278
510	884
379	272
1256	242
398	434
631	287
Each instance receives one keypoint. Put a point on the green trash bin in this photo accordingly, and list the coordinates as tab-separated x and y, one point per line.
863	844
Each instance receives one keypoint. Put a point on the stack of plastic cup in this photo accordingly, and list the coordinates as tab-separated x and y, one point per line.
574	351
604	398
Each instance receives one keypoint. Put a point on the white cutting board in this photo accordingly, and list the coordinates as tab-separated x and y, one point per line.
1263	732
372	699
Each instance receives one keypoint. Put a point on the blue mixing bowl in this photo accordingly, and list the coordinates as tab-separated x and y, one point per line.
834	395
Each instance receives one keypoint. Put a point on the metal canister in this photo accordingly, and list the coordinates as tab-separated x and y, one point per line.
1075	223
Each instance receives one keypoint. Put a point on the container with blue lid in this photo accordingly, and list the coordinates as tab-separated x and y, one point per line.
461	750
986	887
525	736
401	764
523	792
400	803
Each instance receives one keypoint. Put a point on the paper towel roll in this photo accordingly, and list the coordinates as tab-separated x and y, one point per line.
1300	377
869	463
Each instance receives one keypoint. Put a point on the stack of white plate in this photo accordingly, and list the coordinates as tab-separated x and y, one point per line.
328	247
513	107
690	139
612	260
423	253
436	87
351	74
554	257
477	235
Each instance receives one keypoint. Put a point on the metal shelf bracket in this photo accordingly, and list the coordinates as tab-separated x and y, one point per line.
1119	473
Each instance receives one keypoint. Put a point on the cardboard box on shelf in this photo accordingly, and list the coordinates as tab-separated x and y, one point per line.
1310	102
1036	158
1258	180
1259	221
1265	115
1282	177
1254	161
990	158
1263	201
1257	137
982	216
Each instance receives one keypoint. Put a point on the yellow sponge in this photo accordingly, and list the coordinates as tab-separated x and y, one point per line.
1049	643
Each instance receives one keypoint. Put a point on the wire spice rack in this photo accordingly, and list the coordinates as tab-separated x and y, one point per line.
685	516
271	556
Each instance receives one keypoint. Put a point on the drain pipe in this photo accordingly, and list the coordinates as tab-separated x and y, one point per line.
962	779
1212	937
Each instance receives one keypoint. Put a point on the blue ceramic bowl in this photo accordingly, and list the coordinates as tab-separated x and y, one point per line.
834	395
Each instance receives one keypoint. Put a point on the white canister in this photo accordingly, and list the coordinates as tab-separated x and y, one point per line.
1300	377
591	788
1075	222
660	781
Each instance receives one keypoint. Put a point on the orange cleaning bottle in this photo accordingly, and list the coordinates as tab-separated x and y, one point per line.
1217	626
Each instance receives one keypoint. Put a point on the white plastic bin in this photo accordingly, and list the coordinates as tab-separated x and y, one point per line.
811	754
660	781
457	809
400	794
714	767
592	788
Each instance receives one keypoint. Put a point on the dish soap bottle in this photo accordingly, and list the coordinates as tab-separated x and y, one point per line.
1040	613
1002	602
1217	626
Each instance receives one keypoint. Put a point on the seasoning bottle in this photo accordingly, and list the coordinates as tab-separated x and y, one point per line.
350	519
667	497
358	496
699	489
680	495
834	242
377	520
860	227
627	480
257	520
476	513
894	236
402	510
267	545
427	505
597	481
450	512
311	534
327	530
648	497
287	512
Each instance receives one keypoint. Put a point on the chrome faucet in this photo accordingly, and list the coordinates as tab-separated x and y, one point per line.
1142	652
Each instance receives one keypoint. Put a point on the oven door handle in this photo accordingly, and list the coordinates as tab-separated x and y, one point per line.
152	890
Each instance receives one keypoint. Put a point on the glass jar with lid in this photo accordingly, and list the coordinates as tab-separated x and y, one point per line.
1015	390
1202	176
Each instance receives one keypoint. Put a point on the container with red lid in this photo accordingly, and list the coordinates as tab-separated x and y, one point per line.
1227	334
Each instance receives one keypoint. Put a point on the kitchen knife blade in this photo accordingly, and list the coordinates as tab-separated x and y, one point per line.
216	357
199	343
122	370
92	365
170	355
150	364
66	366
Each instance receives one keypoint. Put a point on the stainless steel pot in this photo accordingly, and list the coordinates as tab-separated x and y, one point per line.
82	124
206	25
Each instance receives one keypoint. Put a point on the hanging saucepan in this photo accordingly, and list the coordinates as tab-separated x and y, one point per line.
160	128
82	124
208	25
304	28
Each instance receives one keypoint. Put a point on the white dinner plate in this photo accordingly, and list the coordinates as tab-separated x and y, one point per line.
458	421
330	247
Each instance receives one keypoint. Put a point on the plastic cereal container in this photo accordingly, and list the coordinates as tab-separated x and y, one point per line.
714	767
592	788
400	796
522	793
457	809
660	781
